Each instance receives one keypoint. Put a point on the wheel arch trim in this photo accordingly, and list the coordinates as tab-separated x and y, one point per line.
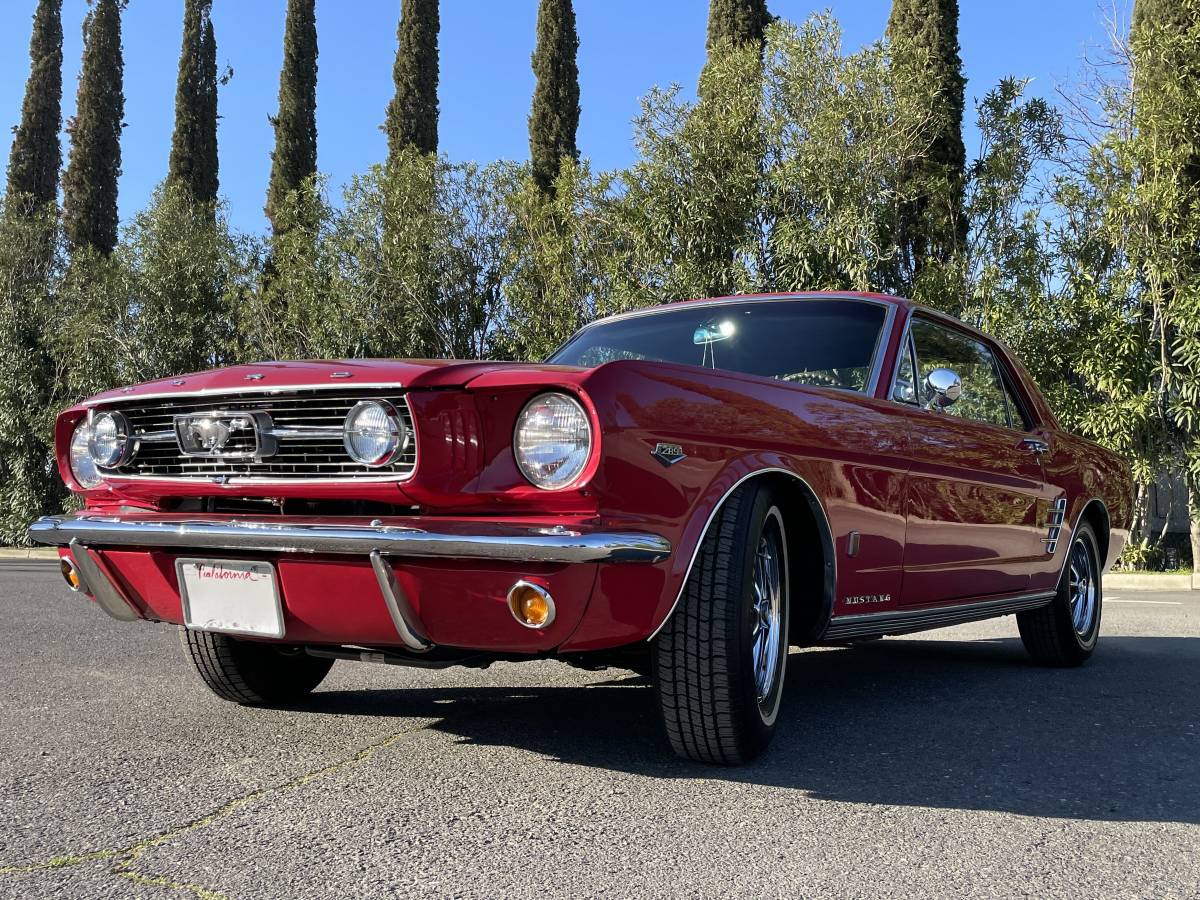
1105	539
823	528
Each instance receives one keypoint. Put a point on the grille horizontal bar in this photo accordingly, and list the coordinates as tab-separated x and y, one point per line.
306	457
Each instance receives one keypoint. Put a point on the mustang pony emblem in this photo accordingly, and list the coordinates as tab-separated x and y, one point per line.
222	434
213	434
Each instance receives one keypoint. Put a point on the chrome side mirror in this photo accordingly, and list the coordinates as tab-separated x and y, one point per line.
944	386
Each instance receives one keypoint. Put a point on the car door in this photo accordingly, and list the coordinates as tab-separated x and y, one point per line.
972	508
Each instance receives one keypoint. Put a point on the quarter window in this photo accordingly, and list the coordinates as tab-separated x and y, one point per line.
983	397
905	389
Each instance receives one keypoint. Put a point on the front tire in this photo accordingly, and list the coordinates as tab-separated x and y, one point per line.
253	673
1064	633
719	661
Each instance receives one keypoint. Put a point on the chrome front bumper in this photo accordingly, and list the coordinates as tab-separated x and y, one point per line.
406	537
411	536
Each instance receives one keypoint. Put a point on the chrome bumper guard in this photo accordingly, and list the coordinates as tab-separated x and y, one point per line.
407	537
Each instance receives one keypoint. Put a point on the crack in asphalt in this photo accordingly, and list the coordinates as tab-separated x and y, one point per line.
127	857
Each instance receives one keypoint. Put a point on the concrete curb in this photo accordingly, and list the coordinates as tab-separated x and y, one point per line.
1149	581
23	553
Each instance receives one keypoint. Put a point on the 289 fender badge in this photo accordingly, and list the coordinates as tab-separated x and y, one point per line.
668	454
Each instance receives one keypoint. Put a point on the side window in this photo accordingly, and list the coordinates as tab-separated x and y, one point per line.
983	393
1016	414
905	389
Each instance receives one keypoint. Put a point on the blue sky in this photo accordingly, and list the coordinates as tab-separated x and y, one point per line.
626	46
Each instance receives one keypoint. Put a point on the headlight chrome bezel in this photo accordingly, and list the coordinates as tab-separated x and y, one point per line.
578	469
399	433
122	440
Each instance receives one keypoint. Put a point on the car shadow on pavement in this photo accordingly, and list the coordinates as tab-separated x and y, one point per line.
942	724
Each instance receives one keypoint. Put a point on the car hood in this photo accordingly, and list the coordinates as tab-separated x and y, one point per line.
410	374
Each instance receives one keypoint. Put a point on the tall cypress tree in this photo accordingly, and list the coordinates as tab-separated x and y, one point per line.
295	156
412	115
736	22
36	155
193	161
924	36
554	119
90	182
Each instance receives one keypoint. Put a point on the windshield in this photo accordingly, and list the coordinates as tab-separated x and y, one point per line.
826	343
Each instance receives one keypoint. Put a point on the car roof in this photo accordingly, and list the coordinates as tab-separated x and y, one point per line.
890	299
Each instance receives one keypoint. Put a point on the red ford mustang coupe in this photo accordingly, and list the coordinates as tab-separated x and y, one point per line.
686	490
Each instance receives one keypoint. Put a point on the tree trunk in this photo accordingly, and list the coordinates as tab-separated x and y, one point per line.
1193	483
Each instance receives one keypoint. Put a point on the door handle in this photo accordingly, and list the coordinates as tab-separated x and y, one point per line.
1035	445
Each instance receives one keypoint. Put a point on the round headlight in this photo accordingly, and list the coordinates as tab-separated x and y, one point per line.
374	433
109	443
552	441
82	466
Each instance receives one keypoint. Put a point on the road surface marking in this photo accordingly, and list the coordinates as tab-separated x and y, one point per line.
1148	602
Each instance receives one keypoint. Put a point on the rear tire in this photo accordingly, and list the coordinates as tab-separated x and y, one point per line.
1064	633
253	673
719	661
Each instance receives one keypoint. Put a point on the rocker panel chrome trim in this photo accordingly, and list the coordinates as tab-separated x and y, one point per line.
910	620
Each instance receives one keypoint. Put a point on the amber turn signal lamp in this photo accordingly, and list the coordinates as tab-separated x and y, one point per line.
531	604
71	574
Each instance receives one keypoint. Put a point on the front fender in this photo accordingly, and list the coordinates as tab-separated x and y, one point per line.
629	606
843	451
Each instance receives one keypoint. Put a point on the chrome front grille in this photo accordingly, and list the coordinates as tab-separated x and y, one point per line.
315	451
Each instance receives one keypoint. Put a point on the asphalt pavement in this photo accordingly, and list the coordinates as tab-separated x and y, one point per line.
943	764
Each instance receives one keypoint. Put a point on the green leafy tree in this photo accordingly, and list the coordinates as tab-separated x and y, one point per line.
186	276
566	259
689	200
412	114
839	138
35	158
931	229
294	159
784	176
193	161
1163	215
29	485
555	116
729	105
94	166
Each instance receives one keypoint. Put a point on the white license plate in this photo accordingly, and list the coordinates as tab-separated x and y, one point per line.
234	596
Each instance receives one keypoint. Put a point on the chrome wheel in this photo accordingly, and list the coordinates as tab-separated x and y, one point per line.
765	635
1081	588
